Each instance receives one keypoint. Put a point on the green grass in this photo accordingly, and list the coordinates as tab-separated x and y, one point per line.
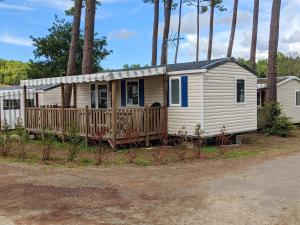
209	149
239	154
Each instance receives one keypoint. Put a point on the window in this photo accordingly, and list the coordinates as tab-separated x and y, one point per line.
258	99
11	104
175	91
93	96
30	103
297	98
240	91
132	93
102	96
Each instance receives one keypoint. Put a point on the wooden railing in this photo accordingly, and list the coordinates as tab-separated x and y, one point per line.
95	123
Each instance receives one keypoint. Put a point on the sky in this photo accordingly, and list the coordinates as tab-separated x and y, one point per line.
127	24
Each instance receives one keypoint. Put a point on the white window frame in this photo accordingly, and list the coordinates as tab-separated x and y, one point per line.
170	92
100	84
296	98
235	96
138	88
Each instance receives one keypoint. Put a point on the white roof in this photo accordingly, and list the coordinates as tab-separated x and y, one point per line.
103	76
280	81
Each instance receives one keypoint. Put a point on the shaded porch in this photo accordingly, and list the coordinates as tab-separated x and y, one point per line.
126	116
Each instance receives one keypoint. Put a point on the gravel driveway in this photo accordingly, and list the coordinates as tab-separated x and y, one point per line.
251	191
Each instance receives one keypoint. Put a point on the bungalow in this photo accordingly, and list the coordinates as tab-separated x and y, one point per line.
11	101
152	102
288	95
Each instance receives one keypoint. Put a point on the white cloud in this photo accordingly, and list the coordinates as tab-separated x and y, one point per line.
289	38
121	34
15	7
14	40
58	4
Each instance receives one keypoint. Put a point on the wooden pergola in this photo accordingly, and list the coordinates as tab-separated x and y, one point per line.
117	125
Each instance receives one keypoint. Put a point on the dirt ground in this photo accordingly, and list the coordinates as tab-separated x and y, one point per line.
261	190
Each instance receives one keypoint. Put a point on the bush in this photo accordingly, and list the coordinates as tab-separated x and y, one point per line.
48	139
103	153
198	141
158	155
75	141
272	121
5	139
22	138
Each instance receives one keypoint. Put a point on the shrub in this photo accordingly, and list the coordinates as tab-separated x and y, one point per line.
223	139
5	139
158	155
272	121
131	155
48	139
22	138
103	153
75	140
198	141
180	143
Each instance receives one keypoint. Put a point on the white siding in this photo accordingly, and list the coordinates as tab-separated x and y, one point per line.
220	107
190	116
51	97
287	98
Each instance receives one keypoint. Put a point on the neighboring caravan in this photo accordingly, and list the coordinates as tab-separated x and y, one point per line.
288	95
12	104
155	101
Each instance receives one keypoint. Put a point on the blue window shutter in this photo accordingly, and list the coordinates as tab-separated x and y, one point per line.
141	92
123	92
168	91
184	91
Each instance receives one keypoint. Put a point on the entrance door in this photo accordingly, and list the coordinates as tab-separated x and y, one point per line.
102	96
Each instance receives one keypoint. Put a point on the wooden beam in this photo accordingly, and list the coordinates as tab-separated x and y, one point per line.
25	105
87	124
62	123
114	112
165	103
147	126
74	95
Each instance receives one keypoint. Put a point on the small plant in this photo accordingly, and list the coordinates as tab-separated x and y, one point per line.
48	139
180	143
5	138
158	155
198	141
272	121
131	155
22	138
223	139
75	140
102	151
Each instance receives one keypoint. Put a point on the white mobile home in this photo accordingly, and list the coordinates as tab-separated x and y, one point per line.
12	103
288	95
214	93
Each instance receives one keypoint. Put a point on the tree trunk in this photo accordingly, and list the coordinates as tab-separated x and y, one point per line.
233	26
71	69
211	29
198	30
273	48
155	33
164	47
178	32
87	62
254	35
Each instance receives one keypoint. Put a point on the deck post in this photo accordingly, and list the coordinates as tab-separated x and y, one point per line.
74	94
62	111
25	105
86	124
43	121
165	103
114	112
147	126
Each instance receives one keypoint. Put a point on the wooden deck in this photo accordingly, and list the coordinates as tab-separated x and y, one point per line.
129	125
